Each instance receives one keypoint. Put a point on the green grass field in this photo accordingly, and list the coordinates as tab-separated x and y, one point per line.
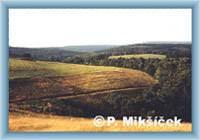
27	69
144	56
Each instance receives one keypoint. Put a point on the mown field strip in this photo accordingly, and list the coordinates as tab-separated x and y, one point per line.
144	56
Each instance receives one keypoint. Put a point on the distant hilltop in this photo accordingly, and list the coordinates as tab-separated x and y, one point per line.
60	53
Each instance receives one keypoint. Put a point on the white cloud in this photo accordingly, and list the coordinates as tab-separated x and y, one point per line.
62	27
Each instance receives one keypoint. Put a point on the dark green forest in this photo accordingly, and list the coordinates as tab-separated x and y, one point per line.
171	96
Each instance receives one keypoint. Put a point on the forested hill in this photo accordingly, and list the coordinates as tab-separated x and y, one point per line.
170	49
42	53
57	53
88	48
65	53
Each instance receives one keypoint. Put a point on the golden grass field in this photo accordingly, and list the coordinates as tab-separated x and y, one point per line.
144	56
47	123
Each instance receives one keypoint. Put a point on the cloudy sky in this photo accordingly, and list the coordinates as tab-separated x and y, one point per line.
65	27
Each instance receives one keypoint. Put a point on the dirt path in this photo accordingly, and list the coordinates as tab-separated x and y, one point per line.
70	96
99	92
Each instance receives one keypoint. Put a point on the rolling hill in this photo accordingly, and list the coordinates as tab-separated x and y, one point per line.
42	79
57	53
170	48
49	88
62	54
88	48
54	54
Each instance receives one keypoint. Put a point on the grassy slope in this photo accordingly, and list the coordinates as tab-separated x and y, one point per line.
27	69
52	79
41	123
145	56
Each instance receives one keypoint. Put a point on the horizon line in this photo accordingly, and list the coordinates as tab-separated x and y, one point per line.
148	42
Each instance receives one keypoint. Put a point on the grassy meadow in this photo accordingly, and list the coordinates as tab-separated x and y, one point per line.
144	56
48	123
52	79
27	69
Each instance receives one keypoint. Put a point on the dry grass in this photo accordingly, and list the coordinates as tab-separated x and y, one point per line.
55	79
46	123
144	56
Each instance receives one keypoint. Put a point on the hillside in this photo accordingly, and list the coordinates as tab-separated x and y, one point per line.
54	54
170	49
76	54
57	53
88	48
51	79
96	83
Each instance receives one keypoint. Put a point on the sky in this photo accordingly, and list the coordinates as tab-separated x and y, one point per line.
67	27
